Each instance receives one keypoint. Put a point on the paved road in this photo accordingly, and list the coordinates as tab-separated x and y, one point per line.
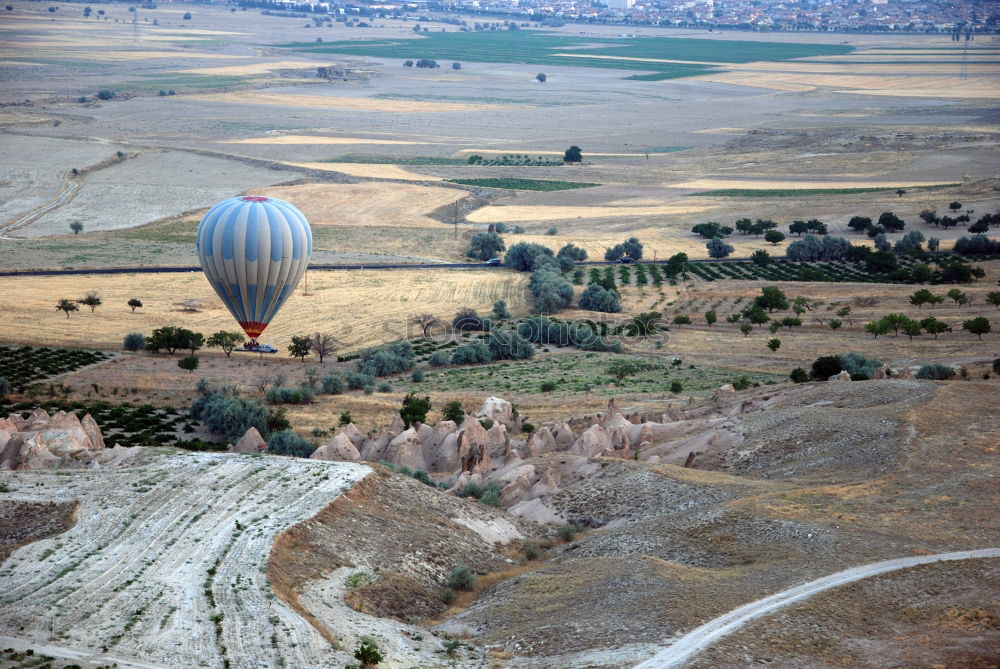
692	643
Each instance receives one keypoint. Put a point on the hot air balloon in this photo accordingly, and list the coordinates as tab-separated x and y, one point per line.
254	250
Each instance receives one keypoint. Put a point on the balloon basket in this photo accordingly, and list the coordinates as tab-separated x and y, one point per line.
254	346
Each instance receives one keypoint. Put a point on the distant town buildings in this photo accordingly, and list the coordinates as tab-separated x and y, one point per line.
960	17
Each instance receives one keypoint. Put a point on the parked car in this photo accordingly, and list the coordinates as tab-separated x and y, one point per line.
492	261
624	260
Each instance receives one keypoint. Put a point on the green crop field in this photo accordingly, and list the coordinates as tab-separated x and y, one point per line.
523	184
793	192
582	373
541	48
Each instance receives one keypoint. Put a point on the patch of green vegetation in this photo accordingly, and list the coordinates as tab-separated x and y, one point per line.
652	76
792	192
395	160
542	48
523	184
583	372
182	232
25	364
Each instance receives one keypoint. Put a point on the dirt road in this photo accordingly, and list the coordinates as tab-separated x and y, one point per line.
690	644
165	566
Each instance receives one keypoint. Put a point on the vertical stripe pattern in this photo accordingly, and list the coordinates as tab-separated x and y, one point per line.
254	250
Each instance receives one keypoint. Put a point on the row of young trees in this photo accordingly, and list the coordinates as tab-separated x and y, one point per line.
92	300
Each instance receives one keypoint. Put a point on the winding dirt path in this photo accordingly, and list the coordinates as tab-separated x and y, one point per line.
700	638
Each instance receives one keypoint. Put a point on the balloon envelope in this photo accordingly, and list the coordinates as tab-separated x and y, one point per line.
254	250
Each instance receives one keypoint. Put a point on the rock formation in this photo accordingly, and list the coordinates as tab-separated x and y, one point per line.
41	441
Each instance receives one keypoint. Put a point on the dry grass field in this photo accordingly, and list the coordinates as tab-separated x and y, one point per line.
361	308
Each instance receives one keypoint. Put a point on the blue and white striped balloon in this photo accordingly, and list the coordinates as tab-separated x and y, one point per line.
254	250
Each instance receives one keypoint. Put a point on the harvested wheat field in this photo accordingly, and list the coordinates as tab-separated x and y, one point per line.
523	213
319	140
942	86
372	171
360	308
367	204
254	68
342	102
796	184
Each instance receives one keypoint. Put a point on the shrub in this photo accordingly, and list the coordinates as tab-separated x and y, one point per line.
417	376
333	384
391	359
825	366
523	255
453	411
682	320
358	380
530	552
528	428
287	442
414	409
509	345
438	359
462	578
741	383
551	292
4	387
568	531
490	497
230	416
367	653
935	372
384	387
467	320
134	341
631	247
996	365
473	353
448	596
105	94
718	248
487	423
798	375
676	387
485	245
548	386
858	366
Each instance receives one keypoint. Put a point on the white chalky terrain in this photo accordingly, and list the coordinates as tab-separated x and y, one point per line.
129	581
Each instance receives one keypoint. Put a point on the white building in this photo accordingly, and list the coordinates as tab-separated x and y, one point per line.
620	4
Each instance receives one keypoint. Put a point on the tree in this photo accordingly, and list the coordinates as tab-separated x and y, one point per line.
900	192
466	319
500	311
859	223
773	344
929	216
76	227
323	344
300	347
771	298
621	368
187	16
774	237
453	411
485	245
67	306
92	300
911	328
573	155
757	315
225	340
172	338
597	298
407	63
798	375
718	248
958	296
933	243
760	257
523	256
891	222
977	326
791	322
746	329
424	321
456	66
541	77
414	409
189	363
955	206
921	297
798	228
711	229
711	317
631	247
895	321
994	298
835	324
135	304
569	255
551	292
879	327
134	341
933	326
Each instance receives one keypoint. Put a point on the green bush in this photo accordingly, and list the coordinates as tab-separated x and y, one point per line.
287	442
333	384
417	376
859	367
384	387
462	578
936	372
134	341
799	375
676	387
453	411
490	497
448	596
439	359
367	653
548	386
825	366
